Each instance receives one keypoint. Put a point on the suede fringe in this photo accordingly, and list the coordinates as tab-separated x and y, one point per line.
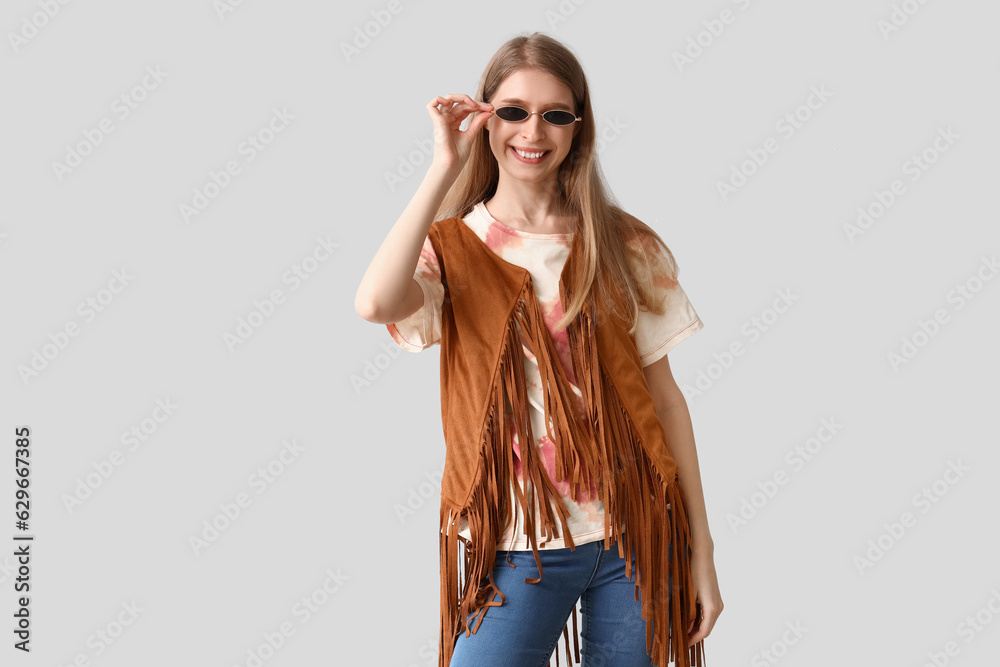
604	441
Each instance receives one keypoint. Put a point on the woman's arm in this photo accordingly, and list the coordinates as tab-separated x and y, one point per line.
673	412
388	292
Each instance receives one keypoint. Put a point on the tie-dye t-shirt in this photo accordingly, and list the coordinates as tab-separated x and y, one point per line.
544	255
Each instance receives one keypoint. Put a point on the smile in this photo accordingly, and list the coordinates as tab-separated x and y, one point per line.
529	157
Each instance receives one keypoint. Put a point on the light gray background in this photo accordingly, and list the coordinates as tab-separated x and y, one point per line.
366	415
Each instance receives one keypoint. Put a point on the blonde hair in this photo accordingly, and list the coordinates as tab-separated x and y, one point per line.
607	233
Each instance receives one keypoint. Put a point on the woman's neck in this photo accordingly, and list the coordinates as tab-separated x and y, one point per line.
534	216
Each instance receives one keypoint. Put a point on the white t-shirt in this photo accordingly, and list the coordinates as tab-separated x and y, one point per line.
544	255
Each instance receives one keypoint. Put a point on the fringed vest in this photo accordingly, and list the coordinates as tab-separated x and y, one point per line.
488	301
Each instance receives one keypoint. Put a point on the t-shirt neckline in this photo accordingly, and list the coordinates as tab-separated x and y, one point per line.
518	232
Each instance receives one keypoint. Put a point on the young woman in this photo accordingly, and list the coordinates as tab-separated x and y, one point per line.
524	178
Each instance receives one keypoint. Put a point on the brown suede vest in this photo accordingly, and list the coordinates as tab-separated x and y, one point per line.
487	302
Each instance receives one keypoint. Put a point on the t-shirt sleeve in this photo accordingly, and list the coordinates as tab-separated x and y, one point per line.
423	328
655	335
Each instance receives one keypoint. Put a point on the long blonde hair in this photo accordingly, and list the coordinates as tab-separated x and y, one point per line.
605	230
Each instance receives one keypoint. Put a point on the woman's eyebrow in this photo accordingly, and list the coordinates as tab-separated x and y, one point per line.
554	105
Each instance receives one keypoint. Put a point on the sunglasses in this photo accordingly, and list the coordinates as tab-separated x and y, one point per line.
553	116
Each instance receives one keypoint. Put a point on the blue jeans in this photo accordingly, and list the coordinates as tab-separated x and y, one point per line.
524	630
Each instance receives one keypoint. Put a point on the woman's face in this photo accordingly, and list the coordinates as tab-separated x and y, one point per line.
532	90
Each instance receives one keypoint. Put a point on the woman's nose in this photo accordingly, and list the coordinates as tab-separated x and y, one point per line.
533	126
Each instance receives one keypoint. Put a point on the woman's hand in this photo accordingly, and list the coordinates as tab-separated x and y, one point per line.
452	146
706	589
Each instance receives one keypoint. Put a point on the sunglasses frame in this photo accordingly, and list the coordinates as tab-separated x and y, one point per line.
540	113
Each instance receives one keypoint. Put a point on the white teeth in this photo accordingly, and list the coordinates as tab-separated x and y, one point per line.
530	156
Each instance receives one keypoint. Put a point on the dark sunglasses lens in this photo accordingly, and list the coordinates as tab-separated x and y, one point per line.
512	114
559	117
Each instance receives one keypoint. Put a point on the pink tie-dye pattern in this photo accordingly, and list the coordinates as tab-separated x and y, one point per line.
500	241
548	451
517	452
663	275
553	310
503	243
544	256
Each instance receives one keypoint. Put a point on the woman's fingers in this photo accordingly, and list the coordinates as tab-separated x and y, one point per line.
458	106
452	145
709	615
479	120
448	103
